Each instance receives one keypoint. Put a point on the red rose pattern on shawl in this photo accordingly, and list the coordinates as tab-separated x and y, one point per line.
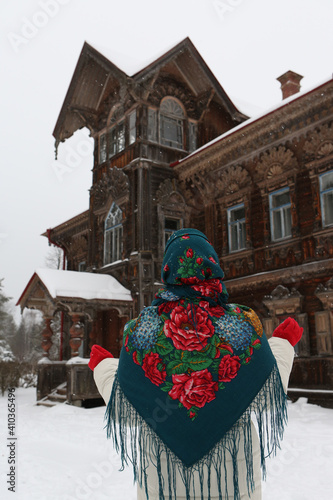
228	368
188	331
154	368
190	361
194	389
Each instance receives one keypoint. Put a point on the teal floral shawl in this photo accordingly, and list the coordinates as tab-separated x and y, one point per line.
192	370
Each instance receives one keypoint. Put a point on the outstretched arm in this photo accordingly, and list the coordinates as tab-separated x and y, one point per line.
282	343
104	366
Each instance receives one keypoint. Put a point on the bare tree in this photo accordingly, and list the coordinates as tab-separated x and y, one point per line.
54	258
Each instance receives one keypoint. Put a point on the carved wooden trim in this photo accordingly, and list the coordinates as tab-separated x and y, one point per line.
275	162
206	187
164	87
291	122
114	183
320	143
169	194
231	180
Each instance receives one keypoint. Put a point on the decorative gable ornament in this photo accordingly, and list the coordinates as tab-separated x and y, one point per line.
321	142
275	162
114	183
232	180
169	194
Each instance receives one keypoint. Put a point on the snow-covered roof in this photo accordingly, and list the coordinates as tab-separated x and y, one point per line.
255	118
125	62
87	286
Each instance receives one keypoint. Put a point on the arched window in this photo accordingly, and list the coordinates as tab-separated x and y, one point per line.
113	235
171	123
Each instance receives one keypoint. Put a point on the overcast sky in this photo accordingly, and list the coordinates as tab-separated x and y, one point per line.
246	43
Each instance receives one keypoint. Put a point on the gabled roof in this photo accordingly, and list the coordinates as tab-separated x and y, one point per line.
53	285
96	78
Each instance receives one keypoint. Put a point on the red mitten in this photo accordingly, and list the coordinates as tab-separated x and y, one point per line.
97	355
289	330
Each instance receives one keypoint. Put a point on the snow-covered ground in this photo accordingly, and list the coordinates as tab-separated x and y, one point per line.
63	454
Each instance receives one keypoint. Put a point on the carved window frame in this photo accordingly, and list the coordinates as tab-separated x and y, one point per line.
113	235
171	113
171	116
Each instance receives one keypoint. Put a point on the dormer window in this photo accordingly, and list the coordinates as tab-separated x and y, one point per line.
171	123
113	235
166	125
116	138
120	134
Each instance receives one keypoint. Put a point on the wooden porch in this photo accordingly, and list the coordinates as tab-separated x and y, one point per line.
94	309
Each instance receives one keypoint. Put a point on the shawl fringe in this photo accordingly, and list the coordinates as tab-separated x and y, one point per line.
139	445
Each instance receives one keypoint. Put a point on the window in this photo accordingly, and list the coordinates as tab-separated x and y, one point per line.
280	214
166	127
132	127
113	235
236	228
326	198
171	123
102	148
170	226
192	136
116	138
152	125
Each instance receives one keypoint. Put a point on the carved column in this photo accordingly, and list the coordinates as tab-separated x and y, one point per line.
76	333
47	336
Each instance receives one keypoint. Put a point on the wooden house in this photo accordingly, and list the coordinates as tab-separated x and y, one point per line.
171	151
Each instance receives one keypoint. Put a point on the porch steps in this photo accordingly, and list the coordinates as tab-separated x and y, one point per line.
58	395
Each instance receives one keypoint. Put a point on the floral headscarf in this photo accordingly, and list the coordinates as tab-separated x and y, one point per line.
191	269
191	371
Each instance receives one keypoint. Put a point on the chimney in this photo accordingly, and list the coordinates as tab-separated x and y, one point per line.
290	83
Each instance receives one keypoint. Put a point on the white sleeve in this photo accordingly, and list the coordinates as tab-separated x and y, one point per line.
284	353
104	374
